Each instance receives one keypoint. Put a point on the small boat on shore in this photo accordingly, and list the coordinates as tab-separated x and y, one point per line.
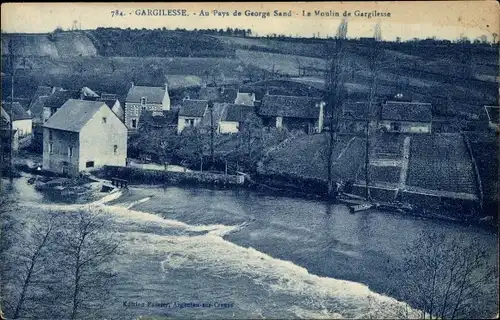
360	207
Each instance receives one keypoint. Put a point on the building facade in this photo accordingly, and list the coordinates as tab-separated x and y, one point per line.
143	98
83	135
406	117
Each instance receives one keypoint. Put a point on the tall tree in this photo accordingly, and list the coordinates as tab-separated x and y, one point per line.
33	249
212	133
12	61
448	277
374	57
334	95
88	247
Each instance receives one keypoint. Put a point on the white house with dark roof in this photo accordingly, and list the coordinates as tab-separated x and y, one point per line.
83	135
21	120
140	98
191	113
406	117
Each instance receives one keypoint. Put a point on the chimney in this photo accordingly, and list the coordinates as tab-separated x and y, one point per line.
132	84
166	86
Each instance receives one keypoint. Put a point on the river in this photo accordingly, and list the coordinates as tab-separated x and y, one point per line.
246	254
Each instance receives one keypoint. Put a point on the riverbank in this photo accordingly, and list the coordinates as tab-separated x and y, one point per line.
289	186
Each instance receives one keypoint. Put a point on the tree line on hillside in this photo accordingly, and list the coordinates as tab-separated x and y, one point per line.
139	43
241	32
236	32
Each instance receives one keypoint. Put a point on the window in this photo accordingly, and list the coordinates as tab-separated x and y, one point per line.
104	119
189	122
50	135
115	147
89	164
143	100
51	148
70	152
134	123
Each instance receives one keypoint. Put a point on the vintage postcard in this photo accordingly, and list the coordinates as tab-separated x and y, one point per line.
249	160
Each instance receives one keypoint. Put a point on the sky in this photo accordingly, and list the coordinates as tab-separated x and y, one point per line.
422	19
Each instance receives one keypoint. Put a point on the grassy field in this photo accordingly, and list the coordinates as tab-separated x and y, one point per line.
282	64
306	156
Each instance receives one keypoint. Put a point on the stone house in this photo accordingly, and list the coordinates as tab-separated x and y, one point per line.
142	98
293	112
406	117
83	135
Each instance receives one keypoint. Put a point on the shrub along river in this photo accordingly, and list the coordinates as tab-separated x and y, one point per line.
239	253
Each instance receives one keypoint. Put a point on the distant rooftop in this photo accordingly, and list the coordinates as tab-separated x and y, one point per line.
237	112
407	111
218	94
18	112
59	97
152	94
290	106
193	108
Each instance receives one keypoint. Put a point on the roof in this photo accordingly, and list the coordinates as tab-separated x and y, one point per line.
289	106
193	108
152	94
58	98
218	94
109	96
109	102
259	92
237	112
246	98
218	112
18	112
36	108
407	111
87	92
159	119
358	110
493	113
73	115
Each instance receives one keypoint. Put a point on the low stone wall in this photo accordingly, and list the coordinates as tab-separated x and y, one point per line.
377	193
146	176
